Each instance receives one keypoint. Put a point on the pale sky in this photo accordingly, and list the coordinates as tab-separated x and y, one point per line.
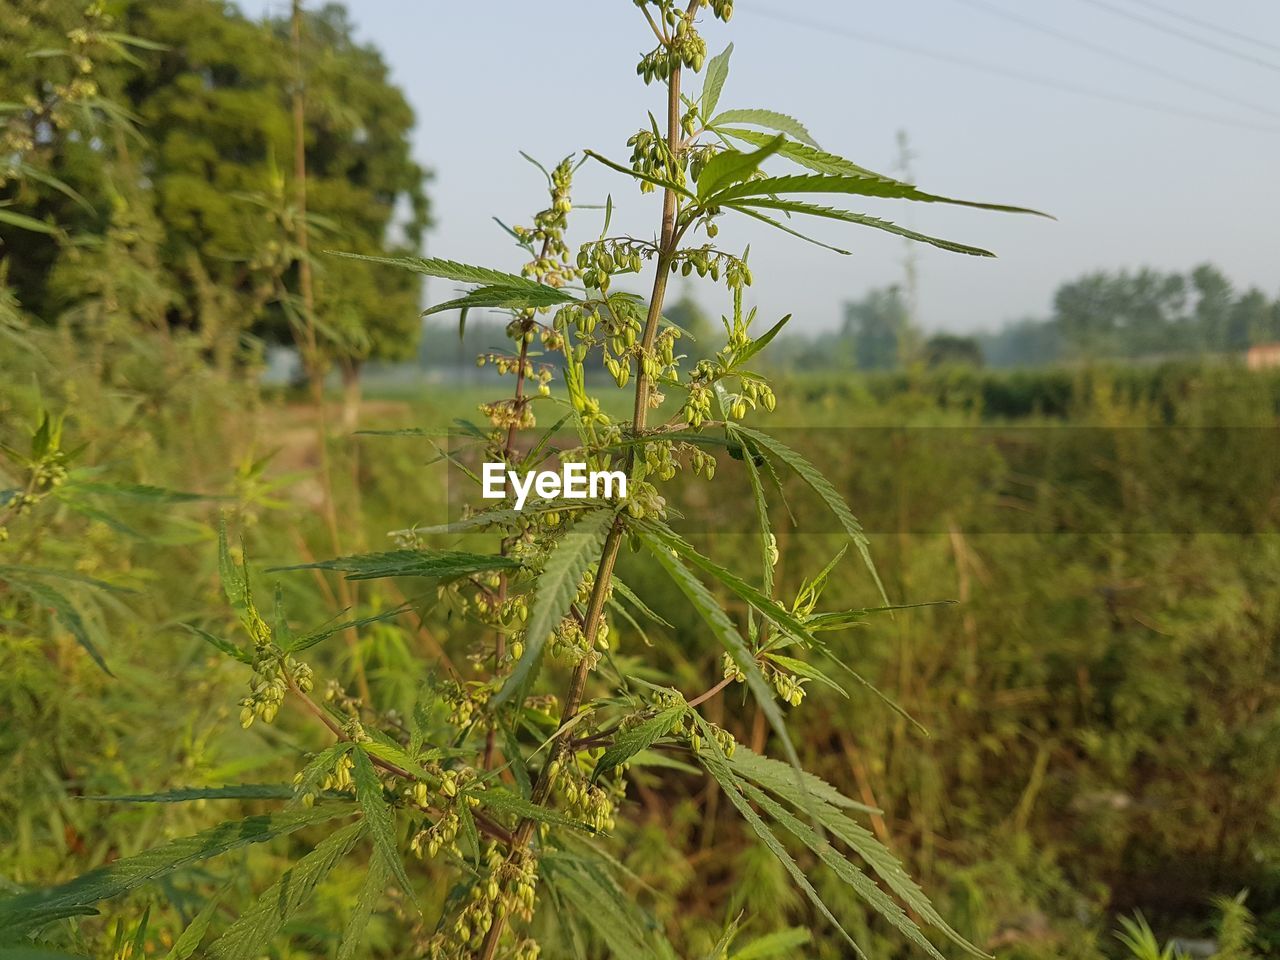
1130	186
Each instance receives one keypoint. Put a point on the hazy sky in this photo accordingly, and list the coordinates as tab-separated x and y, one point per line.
1130	186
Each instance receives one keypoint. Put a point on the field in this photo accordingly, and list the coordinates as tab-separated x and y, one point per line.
879	653
1100	704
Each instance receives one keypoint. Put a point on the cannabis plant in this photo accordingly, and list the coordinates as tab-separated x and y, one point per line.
509	787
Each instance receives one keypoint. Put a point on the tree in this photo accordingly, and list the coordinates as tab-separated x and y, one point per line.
212	93
876	325
947	349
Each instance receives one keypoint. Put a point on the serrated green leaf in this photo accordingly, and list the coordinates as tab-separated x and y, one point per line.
190	938
629	595
141	491
235	579
378	816
717	73
779	778
375	881
615	917
447	270
823	488
23	571
713	760
779	225
467	820
733	166
515	756
29	910
769	119
434	564
857	185
554	592
501	800
859	219
65	612
220	644
779	614
257	927
726	633
760	342
396	754
505	297
801	153
889	869
239	791
823	801
308	640
27	171
627	744
861	884
767	543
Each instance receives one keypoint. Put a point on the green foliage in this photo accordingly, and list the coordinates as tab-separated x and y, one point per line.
198	96
549	584
262	921
557	588
1089	746
1138	938
30	911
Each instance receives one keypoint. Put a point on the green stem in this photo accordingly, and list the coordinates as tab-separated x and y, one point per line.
613	541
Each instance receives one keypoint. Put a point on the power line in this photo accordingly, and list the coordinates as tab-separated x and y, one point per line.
1007	73
1124	58
1207	25
1177	32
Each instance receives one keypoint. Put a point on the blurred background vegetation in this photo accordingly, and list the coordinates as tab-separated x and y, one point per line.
1103	707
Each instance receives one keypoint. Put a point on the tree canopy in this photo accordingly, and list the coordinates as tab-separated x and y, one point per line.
184	151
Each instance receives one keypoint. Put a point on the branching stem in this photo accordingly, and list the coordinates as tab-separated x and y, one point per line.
670	237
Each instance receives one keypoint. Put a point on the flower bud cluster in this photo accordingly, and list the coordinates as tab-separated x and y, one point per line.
790	687
507	887
651	156
707	261
551	264
509	412
682	46
465	699
569	642
455	787
723	738
590	803
601	259
659	461
643	500
267	687
62	100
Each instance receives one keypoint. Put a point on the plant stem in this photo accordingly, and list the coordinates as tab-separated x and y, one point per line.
703	698
508	452
613	541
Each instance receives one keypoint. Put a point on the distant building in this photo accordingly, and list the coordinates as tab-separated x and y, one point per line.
1262	356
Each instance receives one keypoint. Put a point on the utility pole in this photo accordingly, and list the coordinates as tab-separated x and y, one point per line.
908	348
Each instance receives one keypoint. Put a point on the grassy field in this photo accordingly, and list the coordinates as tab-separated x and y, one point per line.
1098	710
